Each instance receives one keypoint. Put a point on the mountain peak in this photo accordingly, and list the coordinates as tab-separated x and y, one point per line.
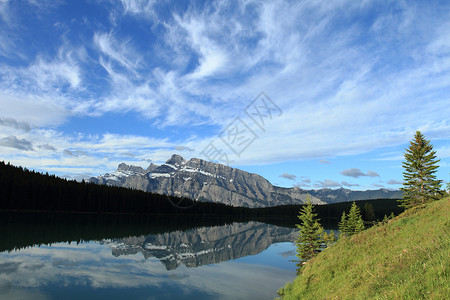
128	169
176	160
151	167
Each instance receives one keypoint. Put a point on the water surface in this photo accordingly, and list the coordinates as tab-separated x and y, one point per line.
249	260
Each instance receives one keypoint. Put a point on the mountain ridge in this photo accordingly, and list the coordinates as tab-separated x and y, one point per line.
207	181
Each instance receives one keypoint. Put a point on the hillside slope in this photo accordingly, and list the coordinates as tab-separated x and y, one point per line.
408	258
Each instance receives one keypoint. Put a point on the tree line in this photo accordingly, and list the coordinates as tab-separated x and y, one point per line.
26	190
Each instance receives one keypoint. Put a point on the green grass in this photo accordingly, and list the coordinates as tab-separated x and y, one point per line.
407	258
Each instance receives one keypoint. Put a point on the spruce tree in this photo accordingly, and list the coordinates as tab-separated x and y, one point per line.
419	180
310	238
355	221
352	222
343	224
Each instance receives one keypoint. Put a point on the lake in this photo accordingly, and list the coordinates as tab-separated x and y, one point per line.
110	257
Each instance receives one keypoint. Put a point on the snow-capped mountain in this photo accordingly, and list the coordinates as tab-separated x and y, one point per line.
206	181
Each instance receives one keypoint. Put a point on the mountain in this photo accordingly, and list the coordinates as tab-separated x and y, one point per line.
206	181
204	246
343	195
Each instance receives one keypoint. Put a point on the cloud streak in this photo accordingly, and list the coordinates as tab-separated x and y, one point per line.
356	173
288	176
10	122
13	142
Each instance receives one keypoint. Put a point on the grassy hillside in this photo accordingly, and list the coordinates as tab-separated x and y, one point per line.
407	258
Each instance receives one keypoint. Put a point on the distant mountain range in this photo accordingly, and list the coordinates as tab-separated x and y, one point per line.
206	181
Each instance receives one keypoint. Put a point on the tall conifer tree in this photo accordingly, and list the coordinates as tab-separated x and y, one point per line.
419	180
310	238
352	223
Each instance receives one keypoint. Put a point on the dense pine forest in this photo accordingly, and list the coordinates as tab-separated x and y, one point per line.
25	190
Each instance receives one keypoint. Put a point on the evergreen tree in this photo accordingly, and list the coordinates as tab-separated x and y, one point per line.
343	224
355	221
352	222
310	238
420	184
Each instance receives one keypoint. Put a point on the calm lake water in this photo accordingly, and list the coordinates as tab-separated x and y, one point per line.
249	260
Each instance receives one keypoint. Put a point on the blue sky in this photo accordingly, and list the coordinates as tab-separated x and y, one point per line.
305	93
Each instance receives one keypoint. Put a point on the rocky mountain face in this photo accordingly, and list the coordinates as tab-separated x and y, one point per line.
206	181
203	246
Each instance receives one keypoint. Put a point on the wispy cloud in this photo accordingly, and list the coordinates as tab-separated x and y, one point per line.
13	142
47	147
10	122
378	185
183	148
75	153
355	173
302	183
347	184
327	183
288	176
393	181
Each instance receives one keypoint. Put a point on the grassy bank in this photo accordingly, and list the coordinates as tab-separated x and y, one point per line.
407	258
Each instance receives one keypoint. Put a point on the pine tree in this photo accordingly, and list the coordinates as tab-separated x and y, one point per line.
355	221
310	238
343	224
420	184
352	222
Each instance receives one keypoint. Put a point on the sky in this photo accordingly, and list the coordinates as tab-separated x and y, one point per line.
313	94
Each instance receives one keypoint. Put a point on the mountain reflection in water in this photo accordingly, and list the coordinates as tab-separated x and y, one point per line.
203	246
48	257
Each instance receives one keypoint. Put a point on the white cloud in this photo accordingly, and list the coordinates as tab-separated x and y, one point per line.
10	122
183	148
33	110
47	147
303	183
288	176
327	183
48	75
139	7
13	142
372	174
117	51
393	181
355	173
378	185
347	184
